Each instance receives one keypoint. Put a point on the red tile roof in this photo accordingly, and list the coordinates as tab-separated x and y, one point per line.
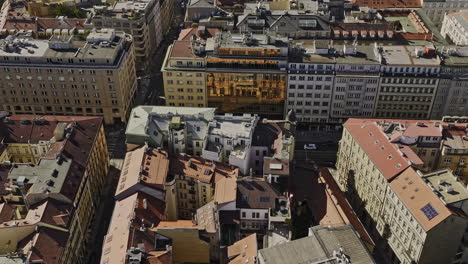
48	245
256	193
416	194
185	34
385	155
345	208
77	147
148	167
130	225
201	169
182	49
416	129
244	250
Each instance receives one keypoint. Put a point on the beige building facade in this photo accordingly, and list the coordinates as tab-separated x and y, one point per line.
66	77
184	76
64	184
401	210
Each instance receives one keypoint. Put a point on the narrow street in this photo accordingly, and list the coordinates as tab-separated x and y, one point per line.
150	86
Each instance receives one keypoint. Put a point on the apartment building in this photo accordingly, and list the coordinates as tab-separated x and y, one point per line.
273	140
409	83
451	99
43	27
322	245
239	73
247	73
63	76
437	10
356	83
310	82
290	23
52	197
125	242
333	82
392	200
184	183
194	181
195	131
184	76
454	149
183	237
239	140
143	19
255	198
455	27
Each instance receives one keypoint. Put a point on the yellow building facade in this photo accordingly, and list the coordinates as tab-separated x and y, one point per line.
94	80
83	180
184	76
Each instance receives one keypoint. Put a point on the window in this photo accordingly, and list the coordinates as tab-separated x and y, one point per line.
243	215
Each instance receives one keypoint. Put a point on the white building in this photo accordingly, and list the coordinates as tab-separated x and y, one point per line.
328	83
455	27
356	83
452	96
229	139
224	138
437	9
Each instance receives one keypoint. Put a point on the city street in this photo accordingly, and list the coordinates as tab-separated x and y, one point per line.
326	144
150	86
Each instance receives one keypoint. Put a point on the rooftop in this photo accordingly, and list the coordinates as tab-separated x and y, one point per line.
38	50
130	226
256	193
275	166
456	138
140	116
244	250
388	3
206	217
421	201
461	17
322	246
48	176
146	166
281	21
385	155
71	140
406	55
201	169
225	190
446	185
232	126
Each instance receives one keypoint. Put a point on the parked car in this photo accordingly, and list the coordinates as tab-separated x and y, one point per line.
310	146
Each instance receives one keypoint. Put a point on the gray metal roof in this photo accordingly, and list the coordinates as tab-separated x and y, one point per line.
320	246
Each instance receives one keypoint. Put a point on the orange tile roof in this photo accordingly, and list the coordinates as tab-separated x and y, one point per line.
150	167
225	190
343	207
409	154
126	223
385	155
176	224
244	250
201	169
182	49
159	257
186	33
415	129
416	194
